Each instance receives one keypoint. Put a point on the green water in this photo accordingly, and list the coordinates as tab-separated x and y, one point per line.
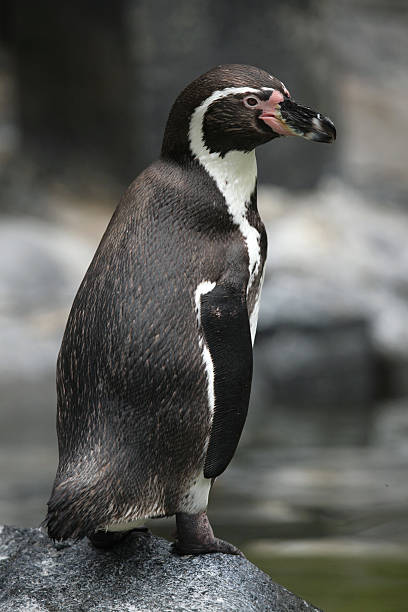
346	584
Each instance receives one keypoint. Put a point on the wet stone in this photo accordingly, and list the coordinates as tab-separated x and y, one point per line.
141	575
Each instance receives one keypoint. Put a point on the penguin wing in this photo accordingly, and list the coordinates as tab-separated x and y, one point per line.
224	319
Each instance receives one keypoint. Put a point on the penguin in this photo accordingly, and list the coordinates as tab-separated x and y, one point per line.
155	367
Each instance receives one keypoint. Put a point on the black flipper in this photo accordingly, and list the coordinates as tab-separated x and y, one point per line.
224	319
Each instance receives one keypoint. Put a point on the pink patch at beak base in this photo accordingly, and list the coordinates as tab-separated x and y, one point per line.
277	125
270	114
274	99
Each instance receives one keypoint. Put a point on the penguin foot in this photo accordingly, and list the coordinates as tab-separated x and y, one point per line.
196	537
214	546
109	539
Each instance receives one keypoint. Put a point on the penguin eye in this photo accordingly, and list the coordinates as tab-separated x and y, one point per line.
251	101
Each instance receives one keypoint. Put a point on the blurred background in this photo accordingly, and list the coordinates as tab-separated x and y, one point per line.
317	494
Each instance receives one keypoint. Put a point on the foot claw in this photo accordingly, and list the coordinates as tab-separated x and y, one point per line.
214	546
226	547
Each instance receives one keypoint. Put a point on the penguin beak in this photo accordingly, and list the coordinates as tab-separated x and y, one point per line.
285	117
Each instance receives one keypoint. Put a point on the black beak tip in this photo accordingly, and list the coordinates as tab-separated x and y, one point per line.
327	131
331	129
306	122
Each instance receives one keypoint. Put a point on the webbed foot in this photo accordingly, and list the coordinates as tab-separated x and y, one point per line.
109	539
196	537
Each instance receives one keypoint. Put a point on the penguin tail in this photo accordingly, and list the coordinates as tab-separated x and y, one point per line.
74	511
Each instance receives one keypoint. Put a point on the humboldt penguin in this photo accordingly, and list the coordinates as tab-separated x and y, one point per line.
155	367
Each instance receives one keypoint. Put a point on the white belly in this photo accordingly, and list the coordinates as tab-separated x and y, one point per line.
196	497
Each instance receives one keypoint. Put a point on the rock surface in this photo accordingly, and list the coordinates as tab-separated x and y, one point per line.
141	576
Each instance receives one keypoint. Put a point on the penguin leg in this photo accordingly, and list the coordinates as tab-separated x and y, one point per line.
196	537
109	539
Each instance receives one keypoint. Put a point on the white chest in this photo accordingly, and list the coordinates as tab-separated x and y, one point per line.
235	176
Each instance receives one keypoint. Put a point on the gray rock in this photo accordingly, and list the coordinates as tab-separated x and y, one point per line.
140	576
334	304
325	363
391	428
41	265
336	254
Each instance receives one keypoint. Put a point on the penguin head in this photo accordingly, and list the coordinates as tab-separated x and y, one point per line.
237	108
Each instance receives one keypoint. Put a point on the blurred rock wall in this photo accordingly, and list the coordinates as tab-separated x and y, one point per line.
85	89
368	45
95	81
88	86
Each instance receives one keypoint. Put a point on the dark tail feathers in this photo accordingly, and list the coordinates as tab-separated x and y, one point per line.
75	511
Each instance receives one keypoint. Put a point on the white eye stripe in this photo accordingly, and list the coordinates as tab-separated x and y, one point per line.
223	93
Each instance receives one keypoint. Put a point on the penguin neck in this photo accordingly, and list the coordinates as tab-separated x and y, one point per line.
235	176
234	173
